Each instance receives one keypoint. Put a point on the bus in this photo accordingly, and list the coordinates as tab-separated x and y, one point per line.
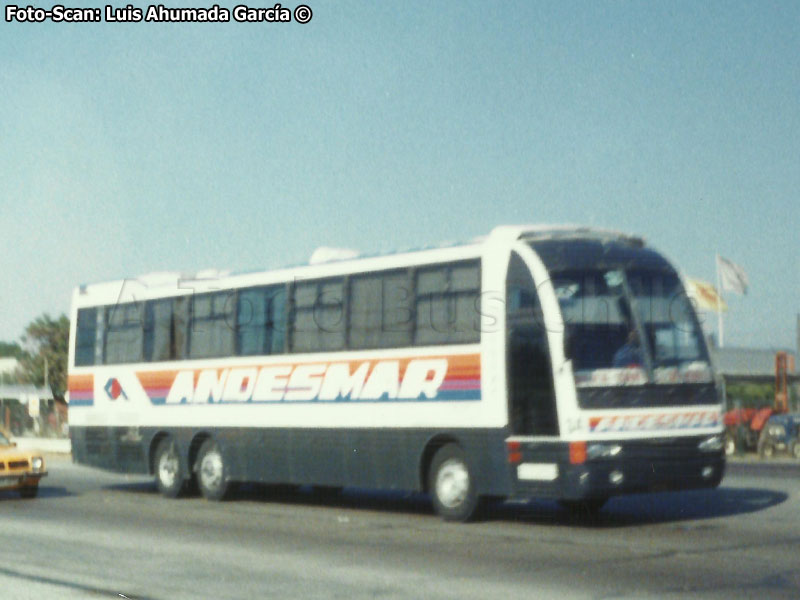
553	362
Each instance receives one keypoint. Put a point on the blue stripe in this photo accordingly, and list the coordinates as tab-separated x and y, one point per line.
82	402
454	396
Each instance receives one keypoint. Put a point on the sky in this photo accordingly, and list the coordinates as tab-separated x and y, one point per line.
128	148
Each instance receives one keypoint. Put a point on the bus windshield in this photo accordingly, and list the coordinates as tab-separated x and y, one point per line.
671	330
630	327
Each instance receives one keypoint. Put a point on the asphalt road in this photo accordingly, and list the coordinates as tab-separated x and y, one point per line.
95	535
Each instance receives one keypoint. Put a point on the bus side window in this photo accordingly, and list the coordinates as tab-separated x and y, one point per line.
212	331
277	319
179	328
261	321
165	325
319	311
85	337
123	336
380	310
158	330
447	298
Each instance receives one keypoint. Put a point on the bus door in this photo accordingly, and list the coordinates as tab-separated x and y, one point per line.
531	394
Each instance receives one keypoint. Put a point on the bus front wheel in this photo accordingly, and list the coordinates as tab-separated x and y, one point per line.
452	485
212	476
29	491
168	468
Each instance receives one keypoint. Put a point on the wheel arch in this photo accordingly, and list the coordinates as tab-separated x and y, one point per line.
151	453
429	451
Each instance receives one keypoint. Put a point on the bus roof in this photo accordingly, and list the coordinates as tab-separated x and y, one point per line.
326	257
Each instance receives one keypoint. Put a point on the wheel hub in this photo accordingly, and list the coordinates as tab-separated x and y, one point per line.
452	483
168	468
211	470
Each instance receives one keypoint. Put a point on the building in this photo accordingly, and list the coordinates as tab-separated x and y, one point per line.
751	365
8	366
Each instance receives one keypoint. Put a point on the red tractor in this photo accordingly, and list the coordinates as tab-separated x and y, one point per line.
744	426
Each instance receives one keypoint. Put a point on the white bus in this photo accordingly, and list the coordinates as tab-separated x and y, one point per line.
535	362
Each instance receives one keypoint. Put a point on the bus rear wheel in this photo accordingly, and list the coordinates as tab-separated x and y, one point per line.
212	476
452	485
169	469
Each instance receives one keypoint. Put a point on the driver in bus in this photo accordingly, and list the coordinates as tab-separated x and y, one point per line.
630	353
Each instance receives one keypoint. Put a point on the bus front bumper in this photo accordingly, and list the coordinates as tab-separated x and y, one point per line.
613	468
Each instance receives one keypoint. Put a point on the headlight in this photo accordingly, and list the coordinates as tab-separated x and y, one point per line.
776	431
603	450
712	444
37	463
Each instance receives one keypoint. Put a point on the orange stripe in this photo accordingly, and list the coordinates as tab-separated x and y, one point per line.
80	383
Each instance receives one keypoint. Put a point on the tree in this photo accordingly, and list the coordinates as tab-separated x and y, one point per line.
46	338
11	350
748	394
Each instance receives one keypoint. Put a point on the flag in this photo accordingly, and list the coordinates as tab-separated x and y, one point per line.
705	295
732	276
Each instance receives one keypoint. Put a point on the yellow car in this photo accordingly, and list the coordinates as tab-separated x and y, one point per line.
20	469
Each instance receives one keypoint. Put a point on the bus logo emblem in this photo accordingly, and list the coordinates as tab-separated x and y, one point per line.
114	389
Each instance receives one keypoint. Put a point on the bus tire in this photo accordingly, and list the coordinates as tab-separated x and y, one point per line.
169	469
29	491
212	476
452	485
